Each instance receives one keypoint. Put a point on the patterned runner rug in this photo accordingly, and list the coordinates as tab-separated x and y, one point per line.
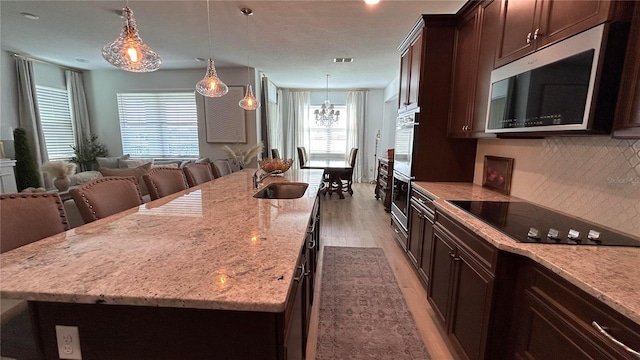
363	314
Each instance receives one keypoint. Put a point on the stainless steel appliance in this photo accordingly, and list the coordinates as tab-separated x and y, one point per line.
529	223
568	86
400	198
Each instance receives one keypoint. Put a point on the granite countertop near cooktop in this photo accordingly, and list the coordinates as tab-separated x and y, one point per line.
610	273
212	246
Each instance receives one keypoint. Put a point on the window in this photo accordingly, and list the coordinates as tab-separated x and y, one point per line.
57	126
328	143
157	125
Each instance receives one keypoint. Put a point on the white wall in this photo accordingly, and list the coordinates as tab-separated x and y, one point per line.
102	87
373	123
8	92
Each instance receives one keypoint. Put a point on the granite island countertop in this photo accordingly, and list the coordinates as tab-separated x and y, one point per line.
609	273
212	246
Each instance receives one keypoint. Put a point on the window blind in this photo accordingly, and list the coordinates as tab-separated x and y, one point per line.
55	118
328	143
158	124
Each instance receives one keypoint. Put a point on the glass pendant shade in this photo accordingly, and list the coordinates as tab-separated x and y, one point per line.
211	85
249	102
326	115
128	51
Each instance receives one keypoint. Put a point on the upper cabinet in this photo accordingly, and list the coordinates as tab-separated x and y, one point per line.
527	25
410	63
475	43
627	122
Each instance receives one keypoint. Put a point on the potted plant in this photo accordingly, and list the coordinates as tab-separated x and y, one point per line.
60	170
26	168
242	157
87	152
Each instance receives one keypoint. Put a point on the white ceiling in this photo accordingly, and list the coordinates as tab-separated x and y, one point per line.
293	42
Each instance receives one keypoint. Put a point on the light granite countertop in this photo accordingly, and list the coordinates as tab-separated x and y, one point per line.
213	246
609	273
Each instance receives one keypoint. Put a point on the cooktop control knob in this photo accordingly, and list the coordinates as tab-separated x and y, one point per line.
533	233
553	234
574	234
594	235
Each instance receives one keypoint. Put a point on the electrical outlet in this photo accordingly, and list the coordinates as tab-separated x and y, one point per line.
68	342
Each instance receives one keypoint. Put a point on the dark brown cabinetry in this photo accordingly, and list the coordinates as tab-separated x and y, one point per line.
383	182
557	320
421	218
475	41
399	234
410	63
461	286
627	123
526	26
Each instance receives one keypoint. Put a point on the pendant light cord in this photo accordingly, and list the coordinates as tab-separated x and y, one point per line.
327	98
248	71
209	28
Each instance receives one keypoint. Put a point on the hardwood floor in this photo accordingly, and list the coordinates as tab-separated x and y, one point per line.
360	221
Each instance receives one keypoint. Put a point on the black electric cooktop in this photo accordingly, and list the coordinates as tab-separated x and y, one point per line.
529	223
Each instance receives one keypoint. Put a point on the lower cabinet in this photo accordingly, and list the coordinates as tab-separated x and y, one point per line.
421	218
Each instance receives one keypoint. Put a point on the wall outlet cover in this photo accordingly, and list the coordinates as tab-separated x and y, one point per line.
68	339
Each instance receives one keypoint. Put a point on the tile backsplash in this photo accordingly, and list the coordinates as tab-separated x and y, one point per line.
594	178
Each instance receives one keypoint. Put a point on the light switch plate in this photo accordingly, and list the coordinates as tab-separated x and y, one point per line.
68	342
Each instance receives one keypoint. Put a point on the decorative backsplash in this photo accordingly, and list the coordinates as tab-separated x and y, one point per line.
594	178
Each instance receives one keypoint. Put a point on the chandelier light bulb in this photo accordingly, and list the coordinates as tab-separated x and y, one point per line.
128	52
249	102
211	85
326	115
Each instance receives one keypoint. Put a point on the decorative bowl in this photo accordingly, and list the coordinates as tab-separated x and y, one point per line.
270	165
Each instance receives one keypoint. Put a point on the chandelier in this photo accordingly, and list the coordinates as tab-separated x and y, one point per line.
326	116
248	102
211	85
128	51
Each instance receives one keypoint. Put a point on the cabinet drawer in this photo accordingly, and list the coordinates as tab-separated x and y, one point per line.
399	233
483	252
423	200
384	168
578	310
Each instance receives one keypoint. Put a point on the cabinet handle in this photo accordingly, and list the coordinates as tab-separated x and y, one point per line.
302	273
535	34
529	38
312	245
452	255
615	341
396	231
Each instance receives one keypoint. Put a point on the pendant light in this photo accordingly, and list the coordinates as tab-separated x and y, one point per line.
128	51
248	102
326	115
211	85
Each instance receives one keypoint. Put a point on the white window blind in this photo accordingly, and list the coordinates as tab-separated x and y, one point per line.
57	126
158	124
328	143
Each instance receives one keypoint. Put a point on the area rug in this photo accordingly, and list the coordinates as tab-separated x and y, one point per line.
363	314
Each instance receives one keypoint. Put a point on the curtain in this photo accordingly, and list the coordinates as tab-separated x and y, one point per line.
28	114
272	117
356	113
79	112
295	122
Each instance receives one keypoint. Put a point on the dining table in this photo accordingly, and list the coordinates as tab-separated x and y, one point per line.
334	172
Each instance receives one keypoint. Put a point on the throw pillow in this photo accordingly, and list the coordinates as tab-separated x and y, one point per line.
83	177
137	172
132	163
171	165
203	160
110	162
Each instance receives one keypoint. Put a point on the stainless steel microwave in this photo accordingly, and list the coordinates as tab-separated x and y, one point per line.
554	89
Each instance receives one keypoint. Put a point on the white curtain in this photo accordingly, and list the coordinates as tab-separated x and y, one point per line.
295	116
79	112
356	113
28	114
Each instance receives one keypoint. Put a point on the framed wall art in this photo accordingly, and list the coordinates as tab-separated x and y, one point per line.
224	120
497	173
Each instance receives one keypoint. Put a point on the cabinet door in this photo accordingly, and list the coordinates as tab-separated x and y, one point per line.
441	271
464	75
470	306
416	221
490	15
628	109
518	19
414	77
561	19
405	78
295	346
427	250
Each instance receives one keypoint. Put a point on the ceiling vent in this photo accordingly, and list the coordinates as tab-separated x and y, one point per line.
343	60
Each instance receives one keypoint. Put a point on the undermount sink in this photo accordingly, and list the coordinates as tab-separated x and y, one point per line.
289	190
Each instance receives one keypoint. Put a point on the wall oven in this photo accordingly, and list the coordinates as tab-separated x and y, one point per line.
404	144
400	198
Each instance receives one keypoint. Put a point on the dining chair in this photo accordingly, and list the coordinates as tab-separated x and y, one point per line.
105	196
221	167
347	177
163	181
275	154
302	156
29	217
198	173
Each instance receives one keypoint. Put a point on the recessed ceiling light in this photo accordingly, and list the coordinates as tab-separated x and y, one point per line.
30	16
371	2
80	60
201	59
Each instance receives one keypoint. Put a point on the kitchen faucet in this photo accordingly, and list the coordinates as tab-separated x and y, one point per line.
257	179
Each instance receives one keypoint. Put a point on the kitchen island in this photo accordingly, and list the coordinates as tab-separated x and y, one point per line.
208	272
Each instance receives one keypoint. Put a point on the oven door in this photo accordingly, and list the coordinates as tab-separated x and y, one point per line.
400	198
404	145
